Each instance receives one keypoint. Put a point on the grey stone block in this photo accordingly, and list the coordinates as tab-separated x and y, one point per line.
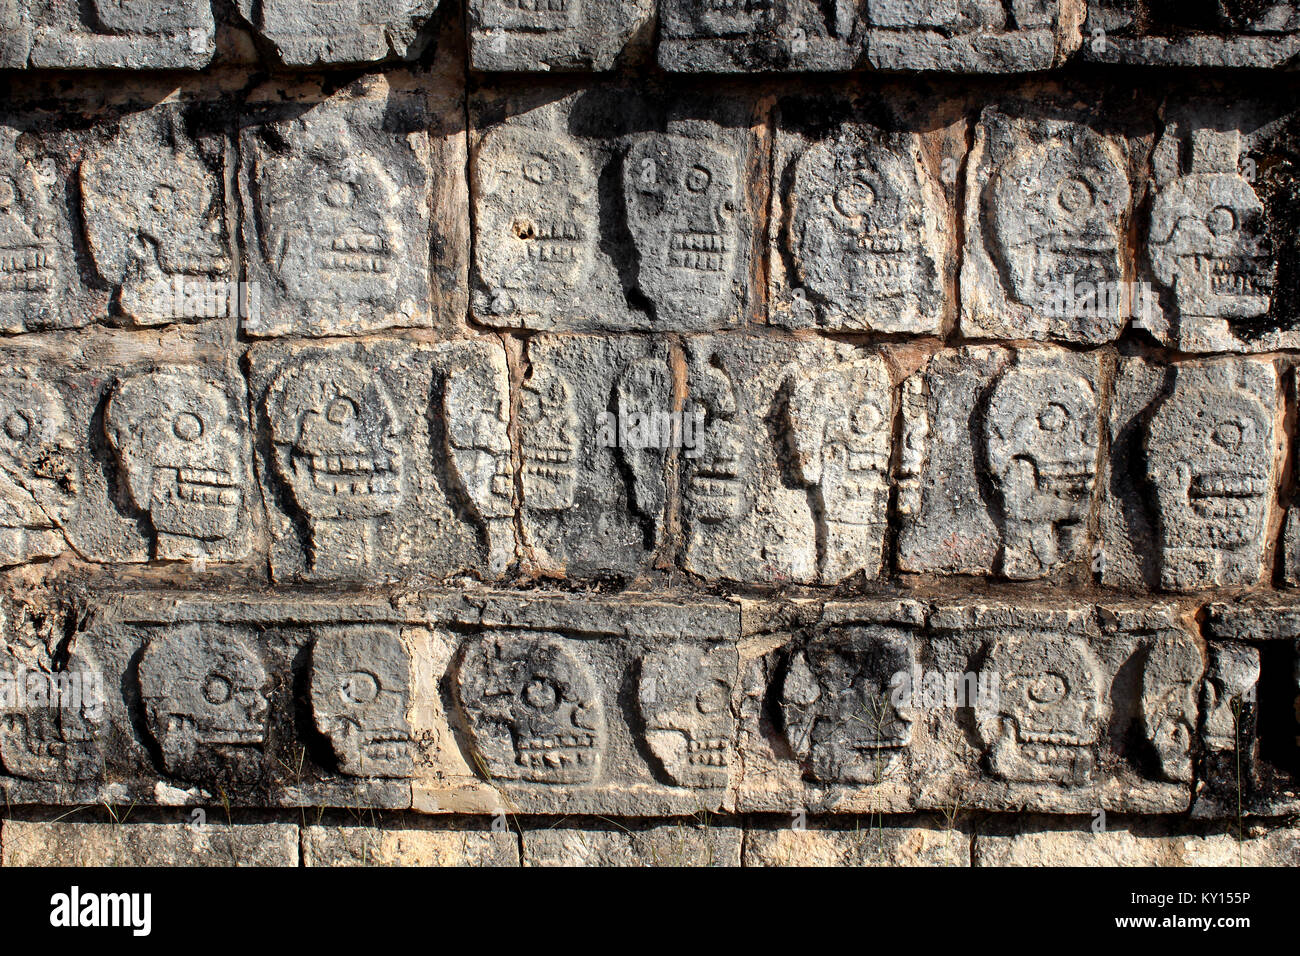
382	461
1000	462
1141	32
149	35
57	843
408	846
1127	845
1190	488
987	36
320	32
872	842
759	36
682	844
532	36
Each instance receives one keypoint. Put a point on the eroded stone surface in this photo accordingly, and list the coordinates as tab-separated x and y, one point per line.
986	36
872	843
404	846
536	35
352	31
149	35
149	844
1133	846
725	36
33	258
1222	35
1000	463
683	844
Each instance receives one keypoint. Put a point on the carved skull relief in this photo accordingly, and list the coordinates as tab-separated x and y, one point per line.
684	696
531	16
153	214
476	408
1229	688
842	427
856	225
1171	684
30	265
532	709
205	698
1057	212
175	438
731	18
59	742
716	476
129	16
38	470
681	196
837	706
330	219
1046	722
1209	454
360	694
537	208
549	438
1041	439
1208	240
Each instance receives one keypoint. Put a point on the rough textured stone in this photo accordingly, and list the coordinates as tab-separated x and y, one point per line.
683	844
1001	459
538	35
1125	847
1148	33
873	842
987	36
359	31
149	35
149	844
724	36
404	846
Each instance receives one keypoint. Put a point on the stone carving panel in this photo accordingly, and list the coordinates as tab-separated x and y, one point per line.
1171	683
538	35
146	35
38	469
729	36
319	32
985	36
1234	34
32	260
685	696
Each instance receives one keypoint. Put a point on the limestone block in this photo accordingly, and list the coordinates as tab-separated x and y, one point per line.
149	844
681	844
318	32
384	460
759	36
408	846
872	842
1133	846
530	36
123	34
1194	458
1146	33
609	210
999	472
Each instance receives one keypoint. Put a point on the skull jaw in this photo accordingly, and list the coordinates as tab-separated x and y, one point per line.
691	758
1050	756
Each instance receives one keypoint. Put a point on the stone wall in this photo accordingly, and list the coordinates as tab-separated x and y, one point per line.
696	432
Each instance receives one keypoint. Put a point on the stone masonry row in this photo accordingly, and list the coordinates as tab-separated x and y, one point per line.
995	36
651	705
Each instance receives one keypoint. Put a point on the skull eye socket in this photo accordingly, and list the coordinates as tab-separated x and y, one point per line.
1229	435
1054	417
1046	689
1074	195
698	179
341	410
1221	220
18	426
187	426
713	698
540	170
359	687
217	689
163	197
866	418
855	199
542	695
8	192
339	194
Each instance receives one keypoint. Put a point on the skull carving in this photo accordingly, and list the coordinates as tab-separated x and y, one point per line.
476	409
536	209
728	18
1209	454
1058	210
856	227
152	215
842	427
681	196
329	211
1208	240
205	699
532	710
1049	707
53	732
1171	682
178	447
716	476
1041	439
1228	696
147	18
531	16
549	436
29	259
360	694
836	703
38	472
684	695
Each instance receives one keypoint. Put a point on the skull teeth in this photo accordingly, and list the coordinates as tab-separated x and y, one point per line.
1240	277
1226	485
538	6
557	751
698	251
554	453
350	465
356	252
708	751
27	269
207	486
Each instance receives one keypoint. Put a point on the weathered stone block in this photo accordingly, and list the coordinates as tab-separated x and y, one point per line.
790	479
148	35
383	460
861	223
529	36
607	210
873	842
1195	452
1048	201
343	198
986	36
999	462
748	36
1145	32
341	31
149	844
1128	845
595	430
406	846
681	844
